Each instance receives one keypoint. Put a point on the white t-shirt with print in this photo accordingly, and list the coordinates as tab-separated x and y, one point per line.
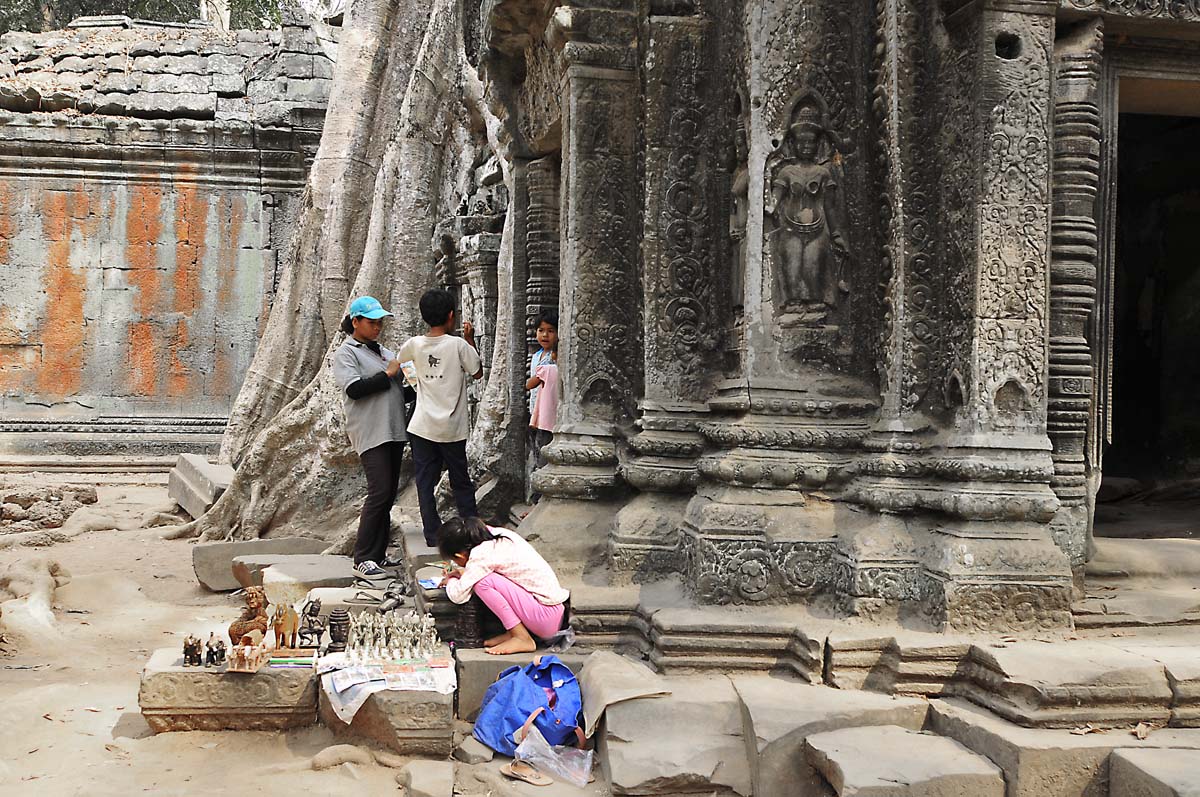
443	364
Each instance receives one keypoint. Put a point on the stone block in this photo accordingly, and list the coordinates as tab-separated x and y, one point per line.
213	561
321	570
890	761
1068	684
687	742
177	698
196	484
1041	762
477	670
290	581
408	723
1154	773
427	779
177	84
473	751
344	598
778	714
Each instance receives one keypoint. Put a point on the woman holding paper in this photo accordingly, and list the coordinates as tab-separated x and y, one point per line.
370	378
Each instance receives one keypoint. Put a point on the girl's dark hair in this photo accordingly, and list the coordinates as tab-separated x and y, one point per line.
548	317
460	535
347	325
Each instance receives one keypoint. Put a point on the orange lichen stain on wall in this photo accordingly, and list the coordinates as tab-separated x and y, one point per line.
232	216
143	227
62	328
8	224
191	222
178	374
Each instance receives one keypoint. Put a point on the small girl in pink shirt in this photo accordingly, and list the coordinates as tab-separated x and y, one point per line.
509	576
543	390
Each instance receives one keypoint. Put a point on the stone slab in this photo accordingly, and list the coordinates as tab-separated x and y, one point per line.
1068	684
1182	664
427	779
477	670
890	761
1154	773
688	742
343	598
318	570
408	723
177	698
473	751
196	484
779	713
213	561
1039	762
290	581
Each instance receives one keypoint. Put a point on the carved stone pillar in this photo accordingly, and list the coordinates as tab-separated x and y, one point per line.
599	350
1074	237
476	261
542	243
684	240
990	562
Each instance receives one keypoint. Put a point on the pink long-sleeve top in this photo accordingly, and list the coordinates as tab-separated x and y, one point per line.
518	561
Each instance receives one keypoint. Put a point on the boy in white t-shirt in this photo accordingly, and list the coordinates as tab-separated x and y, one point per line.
437	431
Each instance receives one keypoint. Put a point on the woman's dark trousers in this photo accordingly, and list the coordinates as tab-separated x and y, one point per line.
382	466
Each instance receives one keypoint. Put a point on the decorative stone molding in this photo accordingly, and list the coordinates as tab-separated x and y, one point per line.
1183	10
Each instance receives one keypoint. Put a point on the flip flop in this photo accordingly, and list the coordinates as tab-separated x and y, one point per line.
520	770
363	598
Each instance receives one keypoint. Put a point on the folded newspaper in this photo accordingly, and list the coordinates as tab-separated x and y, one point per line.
349	685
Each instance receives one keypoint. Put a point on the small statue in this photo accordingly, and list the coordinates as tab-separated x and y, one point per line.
339	628
191	651
214	651
254	616
311	627
286	623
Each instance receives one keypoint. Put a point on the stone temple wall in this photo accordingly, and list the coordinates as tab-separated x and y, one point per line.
147	178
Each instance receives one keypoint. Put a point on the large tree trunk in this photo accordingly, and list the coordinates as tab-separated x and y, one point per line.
296	472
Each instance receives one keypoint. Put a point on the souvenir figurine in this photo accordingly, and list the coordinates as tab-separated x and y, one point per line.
214	651
311	627
191	651
286	623
254	617
339	628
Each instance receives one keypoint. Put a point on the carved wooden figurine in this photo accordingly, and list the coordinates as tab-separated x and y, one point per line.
311	627
254	616
286	623
191	651
214	651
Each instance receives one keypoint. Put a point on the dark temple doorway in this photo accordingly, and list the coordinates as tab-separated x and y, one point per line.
1151	484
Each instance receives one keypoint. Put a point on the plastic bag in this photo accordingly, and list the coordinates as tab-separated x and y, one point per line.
568	763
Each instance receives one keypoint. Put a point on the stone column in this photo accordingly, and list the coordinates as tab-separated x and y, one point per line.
684	243
599	352
542	242
476	261
991	564
1073	249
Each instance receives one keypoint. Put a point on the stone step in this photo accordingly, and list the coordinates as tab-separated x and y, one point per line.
688	742
213	561
196	484
1154	773
478	669
778	714
406	722
1039	762
890	761
329	570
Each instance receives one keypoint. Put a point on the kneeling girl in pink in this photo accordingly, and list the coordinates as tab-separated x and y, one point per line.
509	576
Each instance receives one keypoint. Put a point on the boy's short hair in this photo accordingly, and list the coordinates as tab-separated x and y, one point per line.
548	317
436	306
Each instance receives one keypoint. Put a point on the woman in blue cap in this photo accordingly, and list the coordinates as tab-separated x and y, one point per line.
373	395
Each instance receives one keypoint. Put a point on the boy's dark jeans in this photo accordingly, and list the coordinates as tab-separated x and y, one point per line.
430	459
382	467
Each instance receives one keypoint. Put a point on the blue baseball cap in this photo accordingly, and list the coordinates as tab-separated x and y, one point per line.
367	307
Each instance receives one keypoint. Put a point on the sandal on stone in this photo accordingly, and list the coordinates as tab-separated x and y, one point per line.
519	770
363	598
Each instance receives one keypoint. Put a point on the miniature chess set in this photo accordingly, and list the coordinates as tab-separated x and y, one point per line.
391	638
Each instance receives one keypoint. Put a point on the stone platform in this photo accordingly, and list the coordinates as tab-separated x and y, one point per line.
213	561
177	698
408	723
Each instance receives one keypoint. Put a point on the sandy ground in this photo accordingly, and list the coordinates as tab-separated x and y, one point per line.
69	719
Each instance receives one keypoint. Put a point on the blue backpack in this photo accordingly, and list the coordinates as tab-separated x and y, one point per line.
518	693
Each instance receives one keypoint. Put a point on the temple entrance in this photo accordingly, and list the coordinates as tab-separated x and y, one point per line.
1151	486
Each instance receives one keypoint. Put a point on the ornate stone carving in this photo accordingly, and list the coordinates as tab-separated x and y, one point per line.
741	571
1188	10
542	242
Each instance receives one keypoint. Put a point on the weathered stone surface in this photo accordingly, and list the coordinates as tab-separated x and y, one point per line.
473	751
1045	762
427	779
338	754
1066	685
196	484
477	670
778	714
890	761
317	570
687	742
213	561
409	723
1155	773
177	698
